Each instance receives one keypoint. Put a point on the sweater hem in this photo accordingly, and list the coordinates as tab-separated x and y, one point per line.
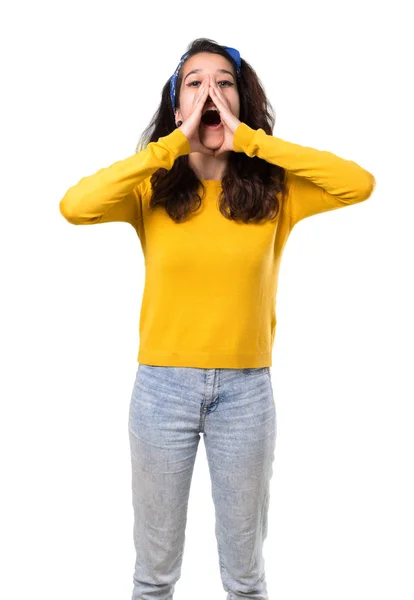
205	360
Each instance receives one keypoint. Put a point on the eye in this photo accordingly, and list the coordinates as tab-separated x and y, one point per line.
224	81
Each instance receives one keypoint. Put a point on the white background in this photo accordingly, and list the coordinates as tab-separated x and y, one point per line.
81	81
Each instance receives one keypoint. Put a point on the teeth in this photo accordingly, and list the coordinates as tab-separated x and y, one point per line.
210	108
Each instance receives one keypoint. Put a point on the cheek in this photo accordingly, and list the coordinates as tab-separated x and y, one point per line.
235	104
234	101
186	104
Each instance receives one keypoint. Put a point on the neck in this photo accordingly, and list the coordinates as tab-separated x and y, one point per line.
208	167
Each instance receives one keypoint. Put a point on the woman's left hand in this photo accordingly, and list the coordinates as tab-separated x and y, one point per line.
229	120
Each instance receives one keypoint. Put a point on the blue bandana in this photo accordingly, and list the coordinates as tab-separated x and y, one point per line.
173	80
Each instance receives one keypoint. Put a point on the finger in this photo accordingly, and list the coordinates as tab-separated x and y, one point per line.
200	100
217	98
222	107
215	87
202	91
219	94
198	96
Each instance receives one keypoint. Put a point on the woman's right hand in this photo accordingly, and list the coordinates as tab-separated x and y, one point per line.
191	125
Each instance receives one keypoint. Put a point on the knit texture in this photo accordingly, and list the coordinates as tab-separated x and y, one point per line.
210	290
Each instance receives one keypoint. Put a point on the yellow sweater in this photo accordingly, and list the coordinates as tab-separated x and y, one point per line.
209	299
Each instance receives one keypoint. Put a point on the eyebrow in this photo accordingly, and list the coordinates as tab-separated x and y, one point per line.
218	71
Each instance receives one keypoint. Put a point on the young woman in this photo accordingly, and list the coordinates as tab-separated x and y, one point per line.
213	197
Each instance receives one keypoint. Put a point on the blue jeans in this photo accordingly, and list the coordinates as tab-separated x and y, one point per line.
235	410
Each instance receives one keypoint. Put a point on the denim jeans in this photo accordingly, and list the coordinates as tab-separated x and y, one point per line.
235	410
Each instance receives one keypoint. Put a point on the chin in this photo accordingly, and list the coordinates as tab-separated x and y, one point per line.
212	141
212	146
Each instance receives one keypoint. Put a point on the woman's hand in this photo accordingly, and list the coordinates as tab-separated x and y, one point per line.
229	120
191	125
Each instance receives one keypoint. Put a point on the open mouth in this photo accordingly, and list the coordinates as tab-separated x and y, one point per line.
211	119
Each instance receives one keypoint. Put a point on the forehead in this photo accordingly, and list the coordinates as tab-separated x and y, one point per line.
205	62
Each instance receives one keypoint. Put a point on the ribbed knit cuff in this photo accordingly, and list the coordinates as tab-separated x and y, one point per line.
177	142
243	136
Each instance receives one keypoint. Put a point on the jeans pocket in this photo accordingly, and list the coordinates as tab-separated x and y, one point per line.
256	370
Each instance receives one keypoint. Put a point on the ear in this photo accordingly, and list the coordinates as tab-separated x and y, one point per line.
177	116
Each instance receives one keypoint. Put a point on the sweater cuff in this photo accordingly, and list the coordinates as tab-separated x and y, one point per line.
177	143
243	136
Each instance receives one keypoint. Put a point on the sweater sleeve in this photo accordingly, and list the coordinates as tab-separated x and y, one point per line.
113	193
316	180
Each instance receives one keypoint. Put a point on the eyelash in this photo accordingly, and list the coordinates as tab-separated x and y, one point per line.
195	81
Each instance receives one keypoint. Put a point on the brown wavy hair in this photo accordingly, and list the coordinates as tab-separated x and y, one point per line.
249	184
